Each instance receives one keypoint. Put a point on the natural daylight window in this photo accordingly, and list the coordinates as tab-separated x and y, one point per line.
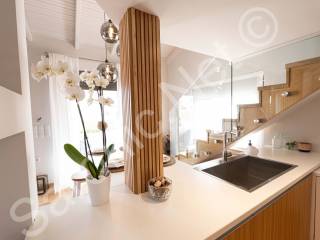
91	113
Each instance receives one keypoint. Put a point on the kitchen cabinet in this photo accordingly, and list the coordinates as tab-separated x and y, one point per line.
286	218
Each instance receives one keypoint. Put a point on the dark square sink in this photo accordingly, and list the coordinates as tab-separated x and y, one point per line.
248	173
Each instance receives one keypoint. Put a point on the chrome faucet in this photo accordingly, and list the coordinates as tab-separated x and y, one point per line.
225	152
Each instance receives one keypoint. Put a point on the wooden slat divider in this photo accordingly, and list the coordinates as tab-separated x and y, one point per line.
151	89
148	142
135	103
144	83
159	94
140	84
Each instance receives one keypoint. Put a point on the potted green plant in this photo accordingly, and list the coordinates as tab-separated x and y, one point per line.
98	180
99	176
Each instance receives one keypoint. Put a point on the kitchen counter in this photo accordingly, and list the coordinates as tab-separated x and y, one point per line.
200	206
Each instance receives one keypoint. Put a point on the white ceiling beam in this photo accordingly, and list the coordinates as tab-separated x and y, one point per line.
77	24
28	31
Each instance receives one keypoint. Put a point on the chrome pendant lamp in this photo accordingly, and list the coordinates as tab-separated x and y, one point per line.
108	70
110	34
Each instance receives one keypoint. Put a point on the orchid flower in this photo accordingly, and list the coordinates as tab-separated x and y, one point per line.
84	76
105	101
61	68
94	77
36	73
89	79
45	67
71	80
75	93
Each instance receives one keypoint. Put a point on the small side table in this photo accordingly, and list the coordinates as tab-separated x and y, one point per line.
78	178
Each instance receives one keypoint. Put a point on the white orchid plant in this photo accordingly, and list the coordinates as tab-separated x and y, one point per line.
73	91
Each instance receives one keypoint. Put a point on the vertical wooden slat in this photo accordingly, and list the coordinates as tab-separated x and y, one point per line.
156	87
135	103
151	89
148	141
159	93
144	83
140	84
140	93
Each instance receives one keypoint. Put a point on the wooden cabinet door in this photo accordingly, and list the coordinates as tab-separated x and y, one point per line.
317	210
288	218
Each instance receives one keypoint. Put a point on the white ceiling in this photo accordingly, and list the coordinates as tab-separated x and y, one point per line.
214	27
76	22
58	18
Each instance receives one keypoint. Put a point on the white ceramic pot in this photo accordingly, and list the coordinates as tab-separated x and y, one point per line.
99	190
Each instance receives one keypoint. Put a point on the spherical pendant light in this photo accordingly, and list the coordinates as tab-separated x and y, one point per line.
109	71
109	32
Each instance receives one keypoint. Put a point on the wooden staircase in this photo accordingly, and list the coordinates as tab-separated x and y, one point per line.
303	79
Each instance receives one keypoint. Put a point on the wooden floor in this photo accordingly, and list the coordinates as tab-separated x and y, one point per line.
50	196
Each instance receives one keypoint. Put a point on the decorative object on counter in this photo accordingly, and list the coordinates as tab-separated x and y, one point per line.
277	141
99	179
73	92
99	189
160	188
304	147
291	145
251	150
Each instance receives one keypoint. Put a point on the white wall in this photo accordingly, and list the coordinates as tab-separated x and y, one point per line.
41	109
273	62
17	172
182	69
185	70
165	107
299	123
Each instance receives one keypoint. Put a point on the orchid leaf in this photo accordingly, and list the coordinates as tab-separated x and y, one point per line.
105	159
78	158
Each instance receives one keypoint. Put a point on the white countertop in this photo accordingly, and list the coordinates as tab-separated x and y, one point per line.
200	206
